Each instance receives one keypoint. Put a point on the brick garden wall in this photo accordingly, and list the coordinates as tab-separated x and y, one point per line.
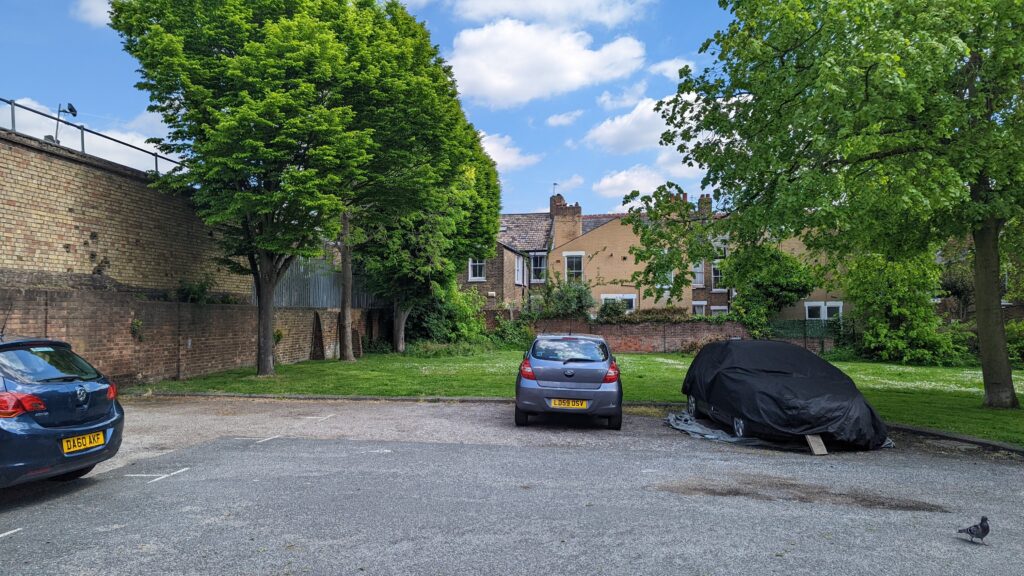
649	337
172	339
68	219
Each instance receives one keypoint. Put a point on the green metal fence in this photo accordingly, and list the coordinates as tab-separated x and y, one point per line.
815	335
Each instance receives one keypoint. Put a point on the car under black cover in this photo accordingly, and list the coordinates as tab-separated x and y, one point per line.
777	390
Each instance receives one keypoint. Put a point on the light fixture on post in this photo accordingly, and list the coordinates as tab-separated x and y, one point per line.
60	110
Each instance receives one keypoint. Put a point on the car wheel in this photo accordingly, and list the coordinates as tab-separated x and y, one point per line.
73	475
691	406
738	427
615	422
522	418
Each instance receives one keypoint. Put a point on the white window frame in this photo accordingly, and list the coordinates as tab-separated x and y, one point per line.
703	305
565	264
483	265
722	309
695	270
630	297
544	268
520	271
822	306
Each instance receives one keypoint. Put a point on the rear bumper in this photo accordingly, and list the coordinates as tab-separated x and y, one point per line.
29	451
603	401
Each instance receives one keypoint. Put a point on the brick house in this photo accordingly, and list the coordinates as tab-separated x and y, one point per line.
568	244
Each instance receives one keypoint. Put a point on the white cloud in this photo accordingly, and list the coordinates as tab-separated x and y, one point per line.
92	12
639	177
509	63
670	68
134	132
639	129
564	119
629	96
572	183
576	12
671	163
506	154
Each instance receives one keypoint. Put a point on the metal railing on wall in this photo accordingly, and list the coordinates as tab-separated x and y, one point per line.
80	146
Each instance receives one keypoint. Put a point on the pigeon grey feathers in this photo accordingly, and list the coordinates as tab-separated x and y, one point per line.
979	530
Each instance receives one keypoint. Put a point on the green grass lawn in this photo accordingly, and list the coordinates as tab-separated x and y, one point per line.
940	398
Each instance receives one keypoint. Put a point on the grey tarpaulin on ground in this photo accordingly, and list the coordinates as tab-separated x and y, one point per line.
705	429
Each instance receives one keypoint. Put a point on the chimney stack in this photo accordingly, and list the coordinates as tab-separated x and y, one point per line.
567	220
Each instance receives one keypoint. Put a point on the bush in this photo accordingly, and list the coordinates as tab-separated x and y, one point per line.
452	315
766	280
560	299
428	349
377	346
1015	341
512	334
611	312
893	303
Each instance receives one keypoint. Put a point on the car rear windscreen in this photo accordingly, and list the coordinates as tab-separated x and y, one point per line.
564	349
45	364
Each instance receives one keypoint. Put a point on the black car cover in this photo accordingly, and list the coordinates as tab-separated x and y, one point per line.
783	389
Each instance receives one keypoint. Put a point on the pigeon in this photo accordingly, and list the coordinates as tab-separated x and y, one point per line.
979	530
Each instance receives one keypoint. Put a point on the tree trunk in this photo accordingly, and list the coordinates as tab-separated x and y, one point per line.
995	360
266	283
347	354
398	334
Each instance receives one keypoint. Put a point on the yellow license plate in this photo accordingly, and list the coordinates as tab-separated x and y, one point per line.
568	403
79	443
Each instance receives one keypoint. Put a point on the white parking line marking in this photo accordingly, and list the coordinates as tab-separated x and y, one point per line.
15	531
380	451
167	476
318	418
268	439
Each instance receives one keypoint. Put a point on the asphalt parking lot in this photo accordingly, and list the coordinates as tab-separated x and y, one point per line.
227	486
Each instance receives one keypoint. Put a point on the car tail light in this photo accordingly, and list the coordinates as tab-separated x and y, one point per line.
112	392
612	375
526	371
13	404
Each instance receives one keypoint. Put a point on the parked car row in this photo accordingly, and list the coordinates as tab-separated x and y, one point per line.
772	390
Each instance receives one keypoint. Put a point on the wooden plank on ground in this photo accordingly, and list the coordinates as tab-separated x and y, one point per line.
817	446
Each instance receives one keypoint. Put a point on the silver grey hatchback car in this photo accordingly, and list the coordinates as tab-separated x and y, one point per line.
569	373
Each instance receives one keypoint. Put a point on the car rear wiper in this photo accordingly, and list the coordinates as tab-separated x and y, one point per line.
579	360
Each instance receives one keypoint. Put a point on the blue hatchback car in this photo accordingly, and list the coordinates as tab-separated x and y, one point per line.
59	416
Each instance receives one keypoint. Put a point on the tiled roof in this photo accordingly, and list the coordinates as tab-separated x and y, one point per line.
526	232
591	221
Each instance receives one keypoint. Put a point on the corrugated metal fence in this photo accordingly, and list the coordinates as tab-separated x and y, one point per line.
316	283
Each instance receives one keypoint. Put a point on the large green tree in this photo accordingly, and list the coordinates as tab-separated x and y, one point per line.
429	192
867	126
249	91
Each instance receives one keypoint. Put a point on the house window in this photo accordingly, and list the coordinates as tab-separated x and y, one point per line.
520	271
716	277
573	265
628	299
823	310
719	310
700	308
477	270
698	275
666	284
538	267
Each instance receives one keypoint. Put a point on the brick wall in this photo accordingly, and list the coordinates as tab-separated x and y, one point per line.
649	337
68	219
171	339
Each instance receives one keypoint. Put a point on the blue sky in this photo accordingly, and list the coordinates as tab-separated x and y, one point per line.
563	90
